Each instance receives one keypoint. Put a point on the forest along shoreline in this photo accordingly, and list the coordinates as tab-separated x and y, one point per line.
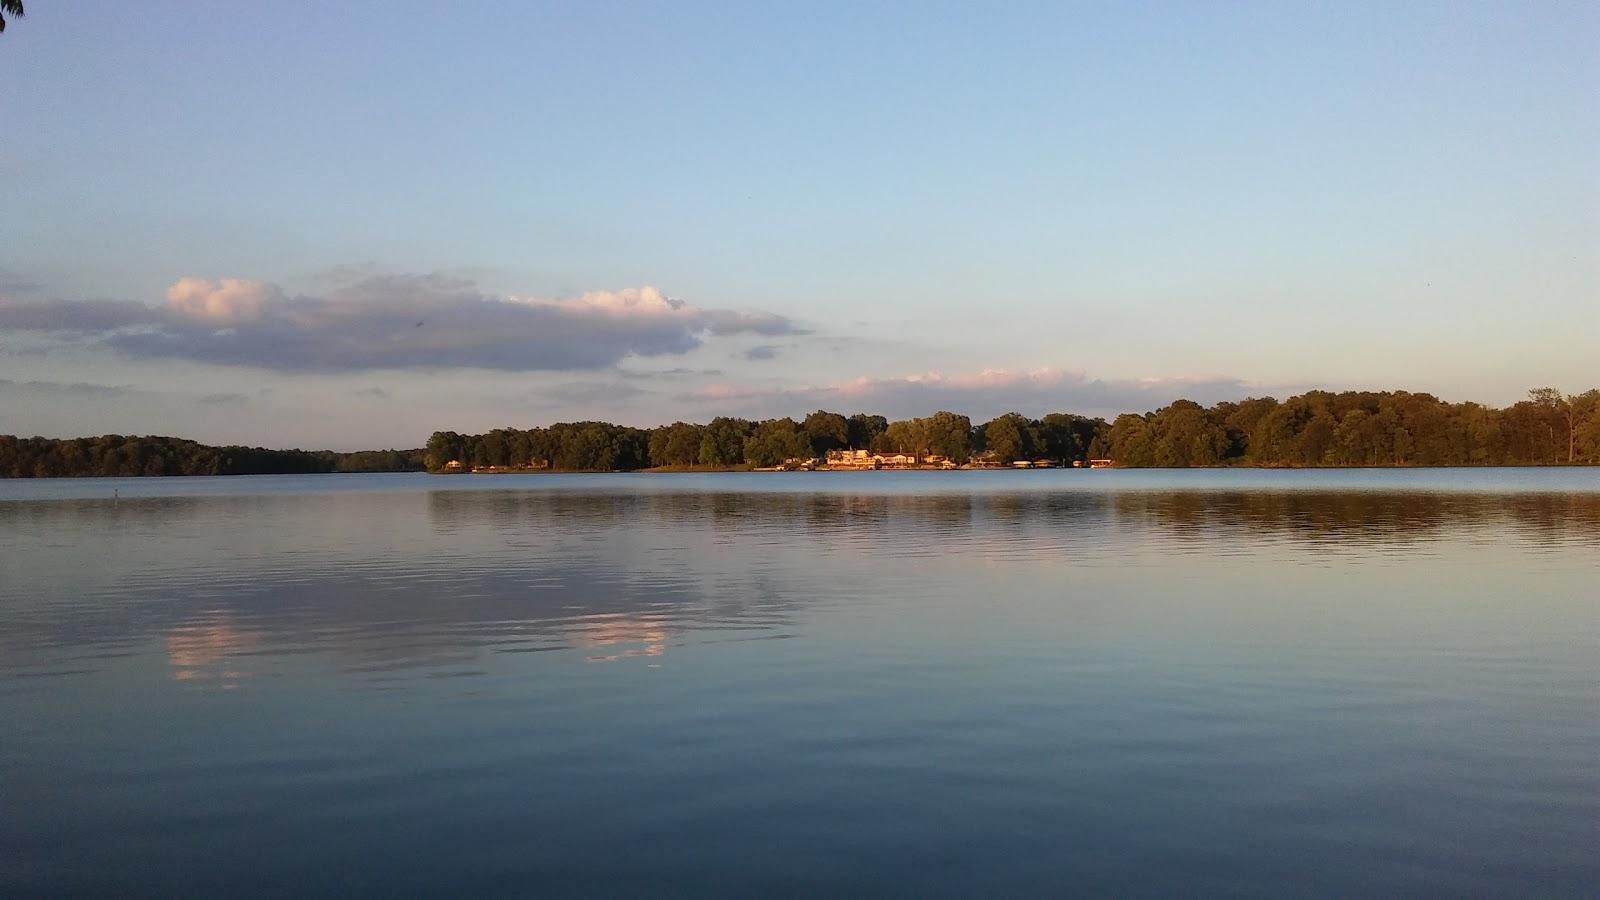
1318	429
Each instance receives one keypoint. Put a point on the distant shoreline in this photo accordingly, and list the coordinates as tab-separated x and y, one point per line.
728	470
702	470
1314	430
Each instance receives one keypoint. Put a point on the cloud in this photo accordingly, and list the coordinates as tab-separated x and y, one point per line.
224	302
390	322
225	398
77	388
74	317
588	393
761	351
13	282
677	372
982	394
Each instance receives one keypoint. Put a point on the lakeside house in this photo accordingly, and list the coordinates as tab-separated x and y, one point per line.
987	459
866	459
851	459
1102	463
536	464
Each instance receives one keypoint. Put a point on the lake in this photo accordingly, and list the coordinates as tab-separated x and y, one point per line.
1154	683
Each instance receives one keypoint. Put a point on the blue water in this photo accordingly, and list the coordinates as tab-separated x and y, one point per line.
921	684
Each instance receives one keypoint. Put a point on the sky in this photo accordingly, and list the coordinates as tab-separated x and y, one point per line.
352	224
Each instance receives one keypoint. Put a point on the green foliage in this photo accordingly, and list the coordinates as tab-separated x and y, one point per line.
1013	436
677	444
776	441
1318	428
827	431
570	446
123	456
864	429
723	442
943	433
1362	428
1067	437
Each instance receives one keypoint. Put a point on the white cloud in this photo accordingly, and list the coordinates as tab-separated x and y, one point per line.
224	302
391	322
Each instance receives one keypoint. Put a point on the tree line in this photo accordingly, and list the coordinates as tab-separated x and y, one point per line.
119	455
1318	428
1363	428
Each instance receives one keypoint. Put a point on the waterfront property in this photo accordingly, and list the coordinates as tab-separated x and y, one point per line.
867	459
852	459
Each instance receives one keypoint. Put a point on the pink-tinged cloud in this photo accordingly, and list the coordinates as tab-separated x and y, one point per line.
391	322
224	302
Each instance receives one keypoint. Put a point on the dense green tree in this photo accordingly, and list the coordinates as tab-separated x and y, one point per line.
1011	437
902	436
722	444
1129	441
950	435
123	456
1239	421
864	429
943	433
1316	428
776	441
444	446
677	444
1068	437
1560	416
826	431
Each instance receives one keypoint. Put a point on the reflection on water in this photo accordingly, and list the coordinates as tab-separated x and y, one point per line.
406	580
1008	687
207	651
617	633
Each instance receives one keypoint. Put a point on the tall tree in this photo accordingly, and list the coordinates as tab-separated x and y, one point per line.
826	431
776	441
1558	409
1011	437
722	442
11	8
864	429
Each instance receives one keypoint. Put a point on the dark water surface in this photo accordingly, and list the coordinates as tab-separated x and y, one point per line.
1168	683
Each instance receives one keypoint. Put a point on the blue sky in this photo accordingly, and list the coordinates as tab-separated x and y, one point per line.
221	219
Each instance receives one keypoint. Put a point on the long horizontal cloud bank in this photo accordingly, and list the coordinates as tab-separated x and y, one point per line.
389	322
981	395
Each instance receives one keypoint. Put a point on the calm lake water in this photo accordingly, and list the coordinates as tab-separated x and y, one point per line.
971	683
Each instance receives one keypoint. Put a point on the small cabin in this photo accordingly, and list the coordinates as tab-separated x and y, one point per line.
1101	463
